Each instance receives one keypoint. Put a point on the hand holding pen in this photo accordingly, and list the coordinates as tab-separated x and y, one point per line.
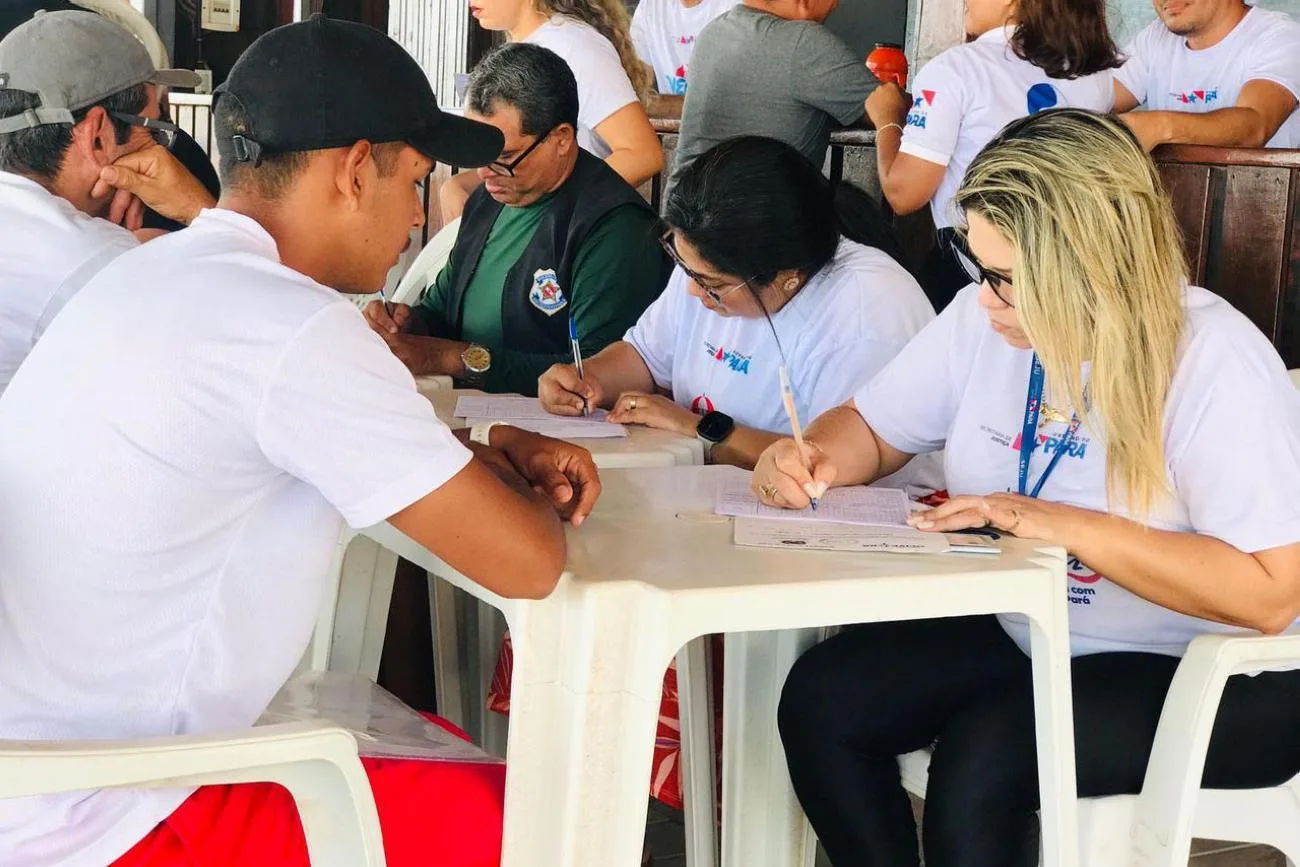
787	398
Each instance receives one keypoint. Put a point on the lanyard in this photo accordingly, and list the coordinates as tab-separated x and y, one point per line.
1029	433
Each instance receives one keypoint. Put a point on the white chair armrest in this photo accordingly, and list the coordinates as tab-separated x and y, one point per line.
317	762
1173	779
427	265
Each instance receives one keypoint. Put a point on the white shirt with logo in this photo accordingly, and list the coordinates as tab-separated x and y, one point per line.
603	85
48	250
841	328
664	32
965	96
1163	74
1231	438
177	457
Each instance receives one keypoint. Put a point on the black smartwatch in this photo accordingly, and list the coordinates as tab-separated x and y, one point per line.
713	428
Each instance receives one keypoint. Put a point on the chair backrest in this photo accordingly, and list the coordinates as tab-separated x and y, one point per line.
1237	210
427	265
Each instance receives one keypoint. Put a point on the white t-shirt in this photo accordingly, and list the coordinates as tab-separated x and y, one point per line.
843	327
1231	437
1163	74
603	85
48	250
175	456
664	32
966	95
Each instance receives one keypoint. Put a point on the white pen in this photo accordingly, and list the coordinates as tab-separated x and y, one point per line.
787	397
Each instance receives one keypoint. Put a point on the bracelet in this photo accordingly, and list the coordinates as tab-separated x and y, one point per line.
481	432
897	126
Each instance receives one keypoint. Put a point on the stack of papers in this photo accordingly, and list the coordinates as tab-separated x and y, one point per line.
527	413
847	519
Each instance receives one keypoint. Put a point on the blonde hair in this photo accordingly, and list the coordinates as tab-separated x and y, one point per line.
610	19
1099	277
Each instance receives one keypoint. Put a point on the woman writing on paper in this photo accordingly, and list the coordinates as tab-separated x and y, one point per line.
1028	55
774	264
1085	395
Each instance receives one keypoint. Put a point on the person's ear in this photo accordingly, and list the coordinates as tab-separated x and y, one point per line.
355	172
566	139
95	138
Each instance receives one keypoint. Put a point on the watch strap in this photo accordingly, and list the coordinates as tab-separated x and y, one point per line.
481	432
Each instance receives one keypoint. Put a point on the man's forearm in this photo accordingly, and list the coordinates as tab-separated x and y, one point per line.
1227	127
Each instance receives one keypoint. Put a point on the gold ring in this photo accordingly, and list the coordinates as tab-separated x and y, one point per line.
631	403
768	491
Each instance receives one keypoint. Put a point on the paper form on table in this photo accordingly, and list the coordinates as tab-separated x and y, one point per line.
527	413
863	506
822	536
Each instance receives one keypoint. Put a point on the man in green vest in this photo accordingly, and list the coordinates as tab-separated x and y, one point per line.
552	236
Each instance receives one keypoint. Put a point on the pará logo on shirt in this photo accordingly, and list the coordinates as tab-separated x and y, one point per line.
737	361
1196	97
921	108
1077	449
678	85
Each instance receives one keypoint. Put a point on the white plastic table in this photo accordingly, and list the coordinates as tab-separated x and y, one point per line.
652	569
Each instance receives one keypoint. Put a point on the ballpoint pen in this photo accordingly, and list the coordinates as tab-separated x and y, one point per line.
577	356
787	397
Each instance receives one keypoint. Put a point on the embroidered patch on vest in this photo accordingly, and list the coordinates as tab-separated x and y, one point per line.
546	294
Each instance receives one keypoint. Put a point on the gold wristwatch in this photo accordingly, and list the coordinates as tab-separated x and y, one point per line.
477	360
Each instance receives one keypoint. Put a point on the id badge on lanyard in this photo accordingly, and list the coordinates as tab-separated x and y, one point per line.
1029	433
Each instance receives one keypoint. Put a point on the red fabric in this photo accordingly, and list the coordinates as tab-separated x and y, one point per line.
443	813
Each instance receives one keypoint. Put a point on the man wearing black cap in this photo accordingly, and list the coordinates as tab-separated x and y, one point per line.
180	450
77	93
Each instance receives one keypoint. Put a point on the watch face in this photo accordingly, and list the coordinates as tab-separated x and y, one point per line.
476	359
715	426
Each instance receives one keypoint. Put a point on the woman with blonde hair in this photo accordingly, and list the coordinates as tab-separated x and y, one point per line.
1085	395
593	37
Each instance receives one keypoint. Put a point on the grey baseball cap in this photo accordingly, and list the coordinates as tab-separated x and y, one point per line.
72	60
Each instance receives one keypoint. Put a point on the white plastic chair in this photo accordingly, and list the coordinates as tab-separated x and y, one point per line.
427	265
127	16
315	761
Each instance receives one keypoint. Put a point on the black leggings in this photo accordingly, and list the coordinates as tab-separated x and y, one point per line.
858	700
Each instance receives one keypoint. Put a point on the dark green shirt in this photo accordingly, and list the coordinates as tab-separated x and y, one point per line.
615	278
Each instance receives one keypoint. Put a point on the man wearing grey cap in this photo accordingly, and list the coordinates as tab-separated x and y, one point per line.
79	104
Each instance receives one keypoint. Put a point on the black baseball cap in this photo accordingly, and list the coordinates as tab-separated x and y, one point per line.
323	83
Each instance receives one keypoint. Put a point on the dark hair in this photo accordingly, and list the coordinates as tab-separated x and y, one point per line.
533	79
39	152
276	172
1065	38
755	206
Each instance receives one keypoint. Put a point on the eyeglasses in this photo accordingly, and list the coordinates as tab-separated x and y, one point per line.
507	170
716	296
161	131
979	274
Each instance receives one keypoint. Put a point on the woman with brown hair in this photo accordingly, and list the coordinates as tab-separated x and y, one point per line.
593	38
1024	56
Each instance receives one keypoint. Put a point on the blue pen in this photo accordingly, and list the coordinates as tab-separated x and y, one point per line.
577	356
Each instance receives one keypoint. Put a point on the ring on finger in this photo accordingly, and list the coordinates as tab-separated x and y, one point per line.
768	491
631	403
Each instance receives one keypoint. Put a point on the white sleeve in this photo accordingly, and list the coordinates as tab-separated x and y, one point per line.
1233	441
342	414
912	402
654	334
938	105
1276	58
603	85
1136	71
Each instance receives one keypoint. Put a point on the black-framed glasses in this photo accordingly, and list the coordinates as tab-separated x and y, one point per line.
666	240
507	170
161	131
979	274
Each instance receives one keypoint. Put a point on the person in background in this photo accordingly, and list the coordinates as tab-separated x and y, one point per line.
552	235
204	415
592	36
775	265
771	68
1028	56
664	34
79	95
1213	72
1134	416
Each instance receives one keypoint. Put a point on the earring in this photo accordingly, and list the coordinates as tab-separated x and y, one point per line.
791	285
